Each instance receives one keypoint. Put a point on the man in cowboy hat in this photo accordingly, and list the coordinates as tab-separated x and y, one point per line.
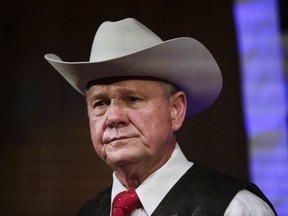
139	90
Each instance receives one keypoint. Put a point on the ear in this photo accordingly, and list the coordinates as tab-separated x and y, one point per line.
178	104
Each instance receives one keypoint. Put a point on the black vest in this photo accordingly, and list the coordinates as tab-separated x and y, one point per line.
200	191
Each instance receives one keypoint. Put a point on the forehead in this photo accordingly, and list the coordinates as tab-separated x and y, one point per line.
131	84
111	80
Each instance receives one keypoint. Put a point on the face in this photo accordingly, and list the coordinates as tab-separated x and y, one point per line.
131	122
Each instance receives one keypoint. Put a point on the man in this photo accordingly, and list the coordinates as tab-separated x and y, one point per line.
139	90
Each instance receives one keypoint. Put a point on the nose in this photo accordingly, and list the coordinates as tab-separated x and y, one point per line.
116	116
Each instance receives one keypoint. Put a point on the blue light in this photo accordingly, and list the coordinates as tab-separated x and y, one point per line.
264	97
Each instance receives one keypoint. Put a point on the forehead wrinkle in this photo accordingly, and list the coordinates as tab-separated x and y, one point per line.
103	91
95	92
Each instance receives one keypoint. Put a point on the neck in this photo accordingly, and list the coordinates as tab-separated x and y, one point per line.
131	176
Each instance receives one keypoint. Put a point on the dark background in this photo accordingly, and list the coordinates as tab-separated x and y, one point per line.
47	162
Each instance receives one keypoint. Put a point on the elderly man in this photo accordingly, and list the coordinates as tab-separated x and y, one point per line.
139	90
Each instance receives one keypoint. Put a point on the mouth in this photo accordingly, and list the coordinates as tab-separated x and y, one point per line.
115	140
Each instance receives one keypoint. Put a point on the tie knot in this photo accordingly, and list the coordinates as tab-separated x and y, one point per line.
125	203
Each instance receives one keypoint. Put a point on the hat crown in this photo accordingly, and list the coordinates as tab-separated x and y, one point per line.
128	48
121	38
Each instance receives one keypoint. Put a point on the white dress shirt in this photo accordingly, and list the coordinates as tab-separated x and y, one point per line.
156	186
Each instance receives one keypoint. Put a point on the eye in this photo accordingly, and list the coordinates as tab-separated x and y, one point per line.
100	103
133	99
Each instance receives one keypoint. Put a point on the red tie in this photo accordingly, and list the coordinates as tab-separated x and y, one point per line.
125	203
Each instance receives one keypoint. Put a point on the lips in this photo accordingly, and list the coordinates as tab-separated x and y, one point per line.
112	139
118	134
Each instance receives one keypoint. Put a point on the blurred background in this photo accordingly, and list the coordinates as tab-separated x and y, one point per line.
47	162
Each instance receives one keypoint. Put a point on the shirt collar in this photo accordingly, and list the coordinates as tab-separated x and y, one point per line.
154	189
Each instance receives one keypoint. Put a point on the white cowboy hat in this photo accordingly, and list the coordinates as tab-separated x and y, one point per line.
128	48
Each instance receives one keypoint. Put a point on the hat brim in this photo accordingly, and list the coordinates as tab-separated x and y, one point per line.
184	62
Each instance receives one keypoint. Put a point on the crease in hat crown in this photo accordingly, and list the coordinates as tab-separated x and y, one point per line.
128	48
121	38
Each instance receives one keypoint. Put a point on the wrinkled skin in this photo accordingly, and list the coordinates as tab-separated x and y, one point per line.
133	126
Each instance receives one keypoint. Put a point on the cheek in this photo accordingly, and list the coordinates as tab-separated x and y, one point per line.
154	124
96	136
160	116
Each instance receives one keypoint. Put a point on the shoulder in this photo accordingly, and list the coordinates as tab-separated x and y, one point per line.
215	179
247	203
242	194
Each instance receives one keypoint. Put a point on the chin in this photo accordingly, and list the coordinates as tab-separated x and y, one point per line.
122	158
